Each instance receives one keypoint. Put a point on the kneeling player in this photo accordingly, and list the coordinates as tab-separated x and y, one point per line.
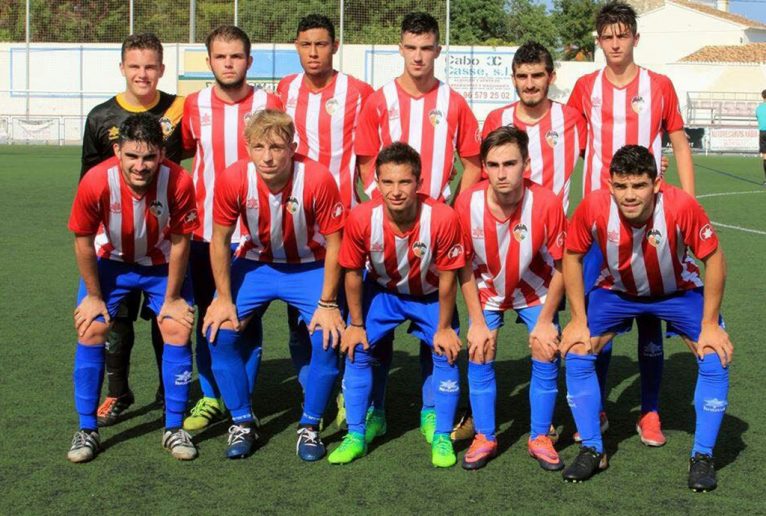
514	234
132	217
412	248
643	227
292	211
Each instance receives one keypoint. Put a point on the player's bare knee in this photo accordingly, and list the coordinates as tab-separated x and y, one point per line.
578	349
538	353
598	343
95	335
174	332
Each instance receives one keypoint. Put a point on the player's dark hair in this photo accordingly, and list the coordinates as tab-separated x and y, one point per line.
763	94
616	13
144	128
420	23
316	21
228	33
399	153
532	52
633	160
146	41
505	135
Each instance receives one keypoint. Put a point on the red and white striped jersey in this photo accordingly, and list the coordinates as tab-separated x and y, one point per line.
555	144
325	124
134	229
512	259
404	263
214	130
635	114
284	227
651	260
435	124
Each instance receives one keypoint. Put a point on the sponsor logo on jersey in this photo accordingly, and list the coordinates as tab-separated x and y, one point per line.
552	138
156	208
596	102
477	135
377	247
449	386
393	113
292	102
706	233
419	248
331	106
571	401
206	119
115	207
113	133
652	350
477	233
252	203
435	116
337	210
167	126
455	251
292	205
191	216
654	237
637	103
613	236
561	238
184	378
520	232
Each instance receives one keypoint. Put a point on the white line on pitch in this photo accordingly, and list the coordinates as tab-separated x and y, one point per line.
730	193
740	228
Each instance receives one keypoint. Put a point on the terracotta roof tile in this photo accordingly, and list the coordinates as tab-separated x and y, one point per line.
749	53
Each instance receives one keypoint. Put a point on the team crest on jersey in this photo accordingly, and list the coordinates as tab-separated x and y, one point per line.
115	207
477	233
167	126
337	210
552	138
455	251
637	103
252	203
520	232
561	238
613	236
393	113
113	132
706	232
292	102
191	216
435	116
156	208
205	119
331	106
419	248
292	205
654	237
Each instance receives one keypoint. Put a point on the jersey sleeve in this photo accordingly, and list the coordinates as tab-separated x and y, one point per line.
274	102
188	140
283	88
367	139
184	218
353	251
450	249
468	134
227	197
328	208
575	98
463	209
492	122
85	217
582	131
91	154
579	237
556	228
671	111
697	231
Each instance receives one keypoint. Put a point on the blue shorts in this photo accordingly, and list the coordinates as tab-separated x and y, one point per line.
385	310
610	311
118	279
528	316
592	263
256	284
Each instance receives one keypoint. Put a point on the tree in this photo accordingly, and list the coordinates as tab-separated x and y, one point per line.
529	21
475	22
576	21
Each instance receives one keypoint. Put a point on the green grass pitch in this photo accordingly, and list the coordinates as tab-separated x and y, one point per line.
135	475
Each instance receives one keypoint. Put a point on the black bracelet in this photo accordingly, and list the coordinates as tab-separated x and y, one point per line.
356	325
329	306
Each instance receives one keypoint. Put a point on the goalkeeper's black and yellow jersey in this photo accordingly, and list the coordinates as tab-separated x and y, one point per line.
103	127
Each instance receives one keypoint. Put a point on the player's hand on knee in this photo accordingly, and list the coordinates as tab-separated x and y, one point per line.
88	311
714	338
219	312
575	333
480	339
178	310
447	343
353	336
544	341
331	322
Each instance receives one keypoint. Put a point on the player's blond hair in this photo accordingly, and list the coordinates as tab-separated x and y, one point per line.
268	124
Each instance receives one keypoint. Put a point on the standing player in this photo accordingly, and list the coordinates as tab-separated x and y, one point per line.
132	218
760	115
292	212
141	65
411	248
213	124
420	110
514	233
624	103
325	106
642	217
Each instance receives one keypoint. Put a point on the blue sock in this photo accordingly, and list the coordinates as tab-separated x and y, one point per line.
176	376
584	398
446	379
300	346
543	390
322	372
88	375
357	386
482	391
231	375
710	402
204	370
381	358
602	368
651	360
252	350
426	373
